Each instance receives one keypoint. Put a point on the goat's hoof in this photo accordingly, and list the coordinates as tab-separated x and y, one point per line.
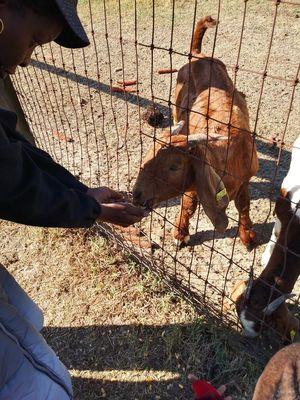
251	245
182	242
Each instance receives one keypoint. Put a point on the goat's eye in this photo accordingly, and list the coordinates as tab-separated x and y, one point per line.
174	167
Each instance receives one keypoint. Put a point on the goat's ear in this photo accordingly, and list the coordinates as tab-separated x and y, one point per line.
285	323
273	306
202	139
238	290
176	129
212	193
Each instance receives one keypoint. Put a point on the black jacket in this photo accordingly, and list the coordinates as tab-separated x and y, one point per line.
34	189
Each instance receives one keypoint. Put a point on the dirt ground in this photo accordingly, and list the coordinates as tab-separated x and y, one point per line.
118	329
101	138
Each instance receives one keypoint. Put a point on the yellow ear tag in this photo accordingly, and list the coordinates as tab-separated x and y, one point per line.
293	334
221	194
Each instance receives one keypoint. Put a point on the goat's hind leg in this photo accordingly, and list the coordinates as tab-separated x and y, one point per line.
242	203
189	202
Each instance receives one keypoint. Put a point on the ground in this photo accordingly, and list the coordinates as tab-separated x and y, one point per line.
101	138
119	330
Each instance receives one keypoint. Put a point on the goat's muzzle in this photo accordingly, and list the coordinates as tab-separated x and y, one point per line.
140	202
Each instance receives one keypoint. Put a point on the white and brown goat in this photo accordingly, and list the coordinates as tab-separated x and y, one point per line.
280	379
210	155
264	298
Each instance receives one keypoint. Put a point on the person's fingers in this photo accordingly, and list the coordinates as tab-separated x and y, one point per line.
116	195
192	377
228	398
123	214
136	211
141	212
222	389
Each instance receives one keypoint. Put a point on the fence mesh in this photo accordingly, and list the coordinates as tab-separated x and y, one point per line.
89	123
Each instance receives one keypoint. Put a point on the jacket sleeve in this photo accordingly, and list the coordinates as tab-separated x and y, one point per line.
34	190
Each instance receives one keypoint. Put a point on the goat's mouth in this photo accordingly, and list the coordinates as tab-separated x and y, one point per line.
249	326
149	204
139	201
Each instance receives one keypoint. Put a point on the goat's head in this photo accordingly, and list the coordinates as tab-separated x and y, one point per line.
259	305
264	298
175	164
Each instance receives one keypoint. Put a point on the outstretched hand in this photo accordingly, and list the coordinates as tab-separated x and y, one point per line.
123	214
114	207
222	390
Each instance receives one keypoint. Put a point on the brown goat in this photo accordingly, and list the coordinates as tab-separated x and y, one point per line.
264	299
280	379
196	164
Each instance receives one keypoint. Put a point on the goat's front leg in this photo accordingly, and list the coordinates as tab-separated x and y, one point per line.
242	203
189	201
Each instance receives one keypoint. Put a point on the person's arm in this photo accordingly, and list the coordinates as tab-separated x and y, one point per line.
35	190
30	194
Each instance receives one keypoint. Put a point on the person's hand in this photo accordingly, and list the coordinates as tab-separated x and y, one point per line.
222	390
105	195
204	389
123	214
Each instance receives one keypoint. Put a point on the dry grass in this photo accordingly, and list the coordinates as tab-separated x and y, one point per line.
119	330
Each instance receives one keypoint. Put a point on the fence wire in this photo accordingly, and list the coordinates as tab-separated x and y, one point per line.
83	112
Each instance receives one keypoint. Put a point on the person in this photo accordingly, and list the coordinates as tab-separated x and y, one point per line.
37	191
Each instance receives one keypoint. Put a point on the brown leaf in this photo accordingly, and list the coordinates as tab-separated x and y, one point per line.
62	137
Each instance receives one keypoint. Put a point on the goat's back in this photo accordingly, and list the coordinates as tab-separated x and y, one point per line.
280	379
205	87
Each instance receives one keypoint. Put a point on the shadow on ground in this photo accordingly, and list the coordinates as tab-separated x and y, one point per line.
137	361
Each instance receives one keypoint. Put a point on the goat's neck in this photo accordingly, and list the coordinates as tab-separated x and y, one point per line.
282	271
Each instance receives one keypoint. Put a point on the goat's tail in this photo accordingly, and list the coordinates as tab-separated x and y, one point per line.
202	25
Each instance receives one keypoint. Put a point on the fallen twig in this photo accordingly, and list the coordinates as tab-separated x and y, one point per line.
119	89
167	71
127	83
62	137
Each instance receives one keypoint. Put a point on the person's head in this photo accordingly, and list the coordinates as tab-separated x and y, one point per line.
25	24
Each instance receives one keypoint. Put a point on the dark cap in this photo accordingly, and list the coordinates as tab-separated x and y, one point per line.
73	34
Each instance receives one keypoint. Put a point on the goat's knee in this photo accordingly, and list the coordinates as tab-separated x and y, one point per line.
188	207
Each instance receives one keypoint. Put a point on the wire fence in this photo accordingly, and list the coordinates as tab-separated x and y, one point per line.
86	108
